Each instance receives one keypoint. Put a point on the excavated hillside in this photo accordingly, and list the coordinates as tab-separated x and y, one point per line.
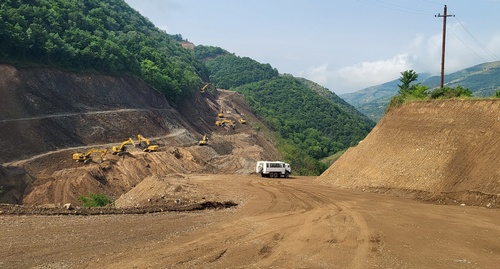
47	115
444	151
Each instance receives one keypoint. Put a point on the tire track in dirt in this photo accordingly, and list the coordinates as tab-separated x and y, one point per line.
123	110
177	132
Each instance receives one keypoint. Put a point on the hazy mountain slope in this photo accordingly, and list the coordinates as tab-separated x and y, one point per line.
372	101
483	80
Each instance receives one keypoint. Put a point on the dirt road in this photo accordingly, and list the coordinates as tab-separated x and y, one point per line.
279	223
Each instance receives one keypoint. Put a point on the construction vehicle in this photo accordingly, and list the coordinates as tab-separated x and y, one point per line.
121	148
224	121
87	156
148	147
204	88
273	169
204	141
221	113
243	121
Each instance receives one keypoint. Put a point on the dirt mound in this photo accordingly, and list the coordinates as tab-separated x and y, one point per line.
51	114
442	151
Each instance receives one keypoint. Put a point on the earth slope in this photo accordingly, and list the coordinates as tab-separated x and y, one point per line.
445	151
47	115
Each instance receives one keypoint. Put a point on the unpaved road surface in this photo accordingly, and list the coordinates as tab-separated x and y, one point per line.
279	223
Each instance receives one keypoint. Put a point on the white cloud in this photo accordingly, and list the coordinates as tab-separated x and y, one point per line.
360	75
423	54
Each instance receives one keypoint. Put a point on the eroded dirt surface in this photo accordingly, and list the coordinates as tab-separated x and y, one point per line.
278	223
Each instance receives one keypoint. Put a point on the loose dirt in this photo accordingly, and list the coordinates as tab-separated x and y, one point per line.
190	206
278	223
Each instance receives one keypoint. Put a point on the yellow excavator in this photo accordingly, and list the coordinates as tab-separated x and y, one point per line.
204	141
148	147
204	88
224	121
121	148
243	121
221	113
87	156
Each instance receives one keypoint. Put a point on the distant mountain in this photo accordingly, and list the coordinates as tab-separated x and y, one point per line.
483	80
373	100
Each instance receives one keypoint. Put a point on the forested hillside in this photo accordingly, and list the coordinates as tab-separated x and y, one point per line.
109	37
101	36
310	121
228	70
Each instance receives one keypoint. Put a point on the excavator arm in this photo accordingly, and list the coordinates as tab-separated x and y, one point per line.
121	148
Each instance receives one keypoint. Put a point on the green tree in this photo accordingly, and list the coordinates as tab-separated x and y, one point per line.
407	77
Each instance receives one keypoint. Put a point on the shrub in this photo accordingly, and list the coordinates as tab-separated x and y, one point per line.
95	200
497	94
446	92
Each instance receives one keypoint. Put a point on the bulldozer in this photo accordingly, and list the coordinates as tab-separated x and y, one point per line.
87	156
148	147
204	141
121	148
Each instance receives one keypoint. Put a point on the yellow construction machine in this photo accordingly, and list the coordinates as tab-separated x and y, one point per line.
204	141
221	113
224	121
243	121
121	148
148	147
87	156
204	88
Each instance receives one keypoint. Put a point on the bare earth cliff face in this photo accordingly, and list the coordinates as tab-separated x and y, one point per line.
446	151
47	115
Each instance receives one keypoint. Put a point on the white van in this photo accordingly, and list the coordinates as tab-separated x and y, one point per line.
273	169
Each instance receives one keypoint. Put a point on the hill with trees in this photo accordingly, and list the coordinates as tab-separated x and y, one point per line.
310	121
97	36
109	37
482	80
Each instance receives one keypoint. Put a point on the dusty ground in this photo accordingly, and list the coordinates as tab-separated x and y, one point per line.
190	206
279	223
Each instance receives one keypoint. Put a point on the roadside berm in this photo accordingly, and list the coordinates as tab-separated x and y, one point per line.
441	151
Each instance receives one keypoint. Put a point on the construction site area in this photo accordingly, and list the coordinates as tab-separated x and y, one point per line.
422	190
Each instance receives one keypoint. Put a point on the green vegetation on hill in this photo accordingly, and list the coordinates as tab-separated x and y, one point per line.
482	80
312	126
228	70
417	91
310	121
93	35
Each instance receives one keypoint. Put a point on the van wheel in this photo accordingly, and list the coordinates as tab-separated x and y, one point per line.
287	174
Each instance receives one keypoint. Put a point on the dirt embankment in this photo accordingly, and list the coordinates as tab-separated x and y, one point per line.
50	114
445	151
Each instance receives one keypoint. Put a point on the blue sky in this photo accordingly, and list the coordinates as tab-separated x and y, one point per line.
342	45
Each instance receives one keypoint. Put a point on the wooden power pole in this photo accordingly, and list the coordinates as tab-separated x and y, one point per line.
444	16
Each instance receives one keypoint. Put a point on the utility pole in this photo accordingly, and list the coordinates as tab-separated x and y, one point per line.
444	16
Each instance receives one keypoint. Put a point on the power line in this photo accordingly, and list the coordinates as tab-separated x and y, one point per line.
478	42
395	7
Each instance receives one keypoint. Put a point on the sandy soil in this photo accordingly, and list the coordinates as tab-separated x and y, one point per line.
190	206
278	223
